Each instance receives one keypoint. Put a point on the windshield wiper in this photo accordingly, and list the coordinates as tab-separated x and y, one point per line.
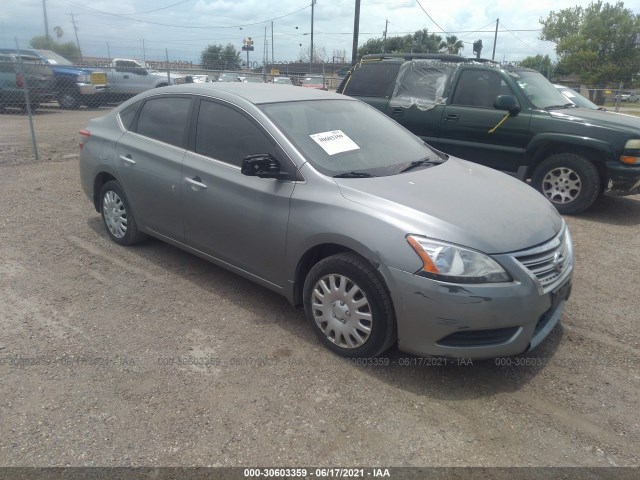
566	105
354	175
418	163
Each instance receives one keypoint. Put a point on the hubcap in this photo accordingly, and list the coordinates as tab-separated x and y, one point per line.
561	185
115	215
341	310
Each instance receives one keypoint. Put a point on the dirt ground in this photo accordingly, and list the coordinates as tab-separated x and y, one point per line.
118	356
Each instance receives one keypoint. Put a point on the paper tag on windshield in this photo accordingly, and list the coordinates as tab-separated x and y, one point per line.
335	141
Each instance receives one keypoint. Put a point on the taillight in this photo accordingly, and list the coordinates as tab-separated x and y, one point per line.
84	135
19	80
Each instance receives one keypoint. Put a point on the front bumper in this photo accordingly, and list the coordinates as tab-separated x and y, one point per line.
90	89
623	179
475	321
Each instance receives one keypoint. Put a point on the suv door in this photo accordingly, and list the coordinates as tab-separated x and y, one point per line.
469	116
149	159
237	219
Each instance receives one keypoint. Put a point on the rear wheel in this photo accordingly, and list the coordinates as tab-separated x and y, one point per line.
117	215
569	181
349	307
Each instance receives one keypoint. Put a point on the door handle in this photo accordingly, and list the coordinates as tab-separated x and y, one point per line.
452	117
127	159
397	111
196	183
126	76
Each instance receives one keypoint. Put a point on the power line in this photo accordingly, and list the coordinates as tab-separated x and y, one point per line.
185	26
151	11
518	38
434	22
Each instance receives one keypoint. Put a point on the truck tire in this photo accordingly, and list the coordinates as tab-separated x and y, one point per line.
569	181
69	99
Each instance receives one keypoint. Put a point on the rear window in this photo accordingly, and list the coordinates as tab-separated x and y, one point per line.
164	119
372	79
128	114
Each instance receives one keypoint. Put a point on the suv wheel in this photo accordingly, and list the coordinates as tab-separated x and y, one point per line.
569	181
349	307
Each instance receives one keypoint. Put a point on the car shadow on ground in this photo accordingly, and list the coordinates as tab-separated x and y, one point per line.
614	211
430	377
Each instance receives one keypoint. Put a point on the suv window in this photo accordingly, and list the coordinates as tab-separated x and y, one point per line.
164	119
479	88
228	135
372	79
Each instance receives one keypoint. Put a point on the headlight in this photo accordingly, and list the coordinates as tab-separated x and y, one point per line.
451	263
631	154
83	78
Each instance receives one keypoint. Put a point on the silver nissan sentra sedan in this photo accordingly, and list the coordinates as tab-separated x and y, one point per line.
330	203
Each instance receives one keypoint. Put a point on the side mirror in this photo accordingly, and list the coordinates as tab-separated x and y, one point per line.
262	165
508	103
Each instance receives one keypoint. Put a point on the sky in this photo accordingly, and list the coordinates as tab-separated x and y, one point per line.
151	29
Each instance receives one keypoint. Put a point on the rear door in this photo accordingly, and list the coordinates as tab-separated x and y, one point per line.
240	220
469	117
149	159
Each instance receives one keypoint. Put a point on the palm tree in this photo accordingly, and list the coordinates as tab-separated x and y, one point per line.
59	31
452	45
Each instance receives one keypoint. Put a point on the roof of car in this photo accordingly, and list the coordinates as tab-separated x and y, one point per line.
256	93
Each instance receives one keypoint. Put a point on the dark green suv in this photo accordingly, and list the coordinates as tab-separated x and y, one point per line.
511	119
24	72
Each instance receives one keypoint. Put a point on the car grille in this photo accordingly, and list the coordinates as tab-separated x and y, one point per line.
547	262
478	338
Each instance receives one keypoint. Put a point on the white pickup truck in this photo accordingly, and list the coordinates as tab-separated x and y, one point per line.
127	77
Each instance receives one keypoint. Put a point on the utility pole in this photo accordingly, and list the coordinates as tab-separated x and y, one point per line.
384	38
144	53
46	22
495	39
75	29
265	52
108	52
356	31
313	2
272	57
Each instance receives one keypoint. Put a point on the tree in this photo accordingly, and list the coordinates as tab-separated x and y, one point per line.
319	54
68	50
540	63
452	45
599	42
420	42
216	57
59	32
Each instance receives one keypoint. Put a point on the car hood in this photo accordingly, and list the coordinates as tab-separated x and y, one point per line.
462	203
602	118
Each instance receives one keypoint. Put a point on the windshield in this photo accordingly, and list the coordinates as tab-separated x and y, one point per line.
313	81
339	137
576	98
282	80
539	90
53	58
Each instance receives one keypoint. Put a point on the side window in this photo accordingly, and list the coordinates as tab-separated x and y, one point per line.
128	114
479	88
164	119
229	135
372	79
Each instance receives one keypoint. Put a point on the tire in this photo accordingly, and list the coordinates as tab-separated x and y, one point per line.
117	215
69	100
569	181
343	298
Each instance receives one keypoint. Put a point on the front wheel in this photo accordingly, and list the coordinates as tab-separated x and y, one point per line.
349	307
569	181
117	215
69	100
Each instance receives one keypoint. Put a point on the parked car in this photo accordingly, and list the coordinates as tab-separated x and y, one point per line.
252	79
282	81
313	82
128	77
25	72
74	86
326	201
576	98
201	78
229	77
511	119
